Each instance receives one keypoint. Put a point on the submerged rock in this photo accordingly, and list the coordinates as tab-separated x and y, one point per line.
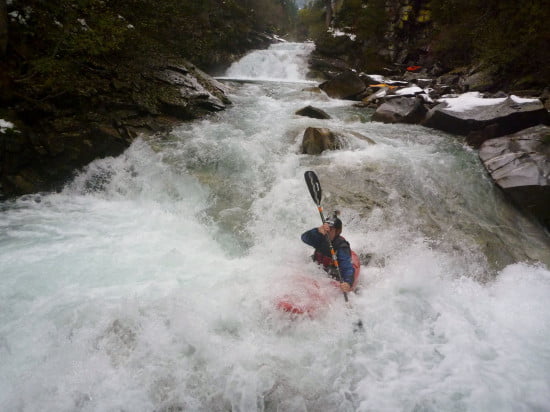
520	165
313	112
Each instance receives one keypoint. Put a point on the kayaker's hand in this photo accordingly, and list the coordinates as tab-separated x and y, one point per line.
324	229
346	288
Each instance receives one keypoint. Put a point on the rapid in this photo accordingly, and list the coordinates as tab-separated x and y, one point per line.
148	283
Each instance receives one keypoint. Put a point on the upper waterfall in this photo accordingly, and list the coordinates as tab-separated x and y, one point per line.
280	62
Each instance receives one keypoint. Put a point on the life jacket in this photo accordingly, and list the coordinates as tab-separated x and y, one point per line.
323	257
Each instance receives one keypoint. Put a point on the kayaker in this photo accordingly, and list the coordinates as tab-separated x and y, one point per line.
316	237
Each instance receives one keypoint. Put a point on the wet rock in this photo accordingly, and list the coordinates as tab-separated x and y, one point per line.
401	110
347	85
313	112
316	140
520	164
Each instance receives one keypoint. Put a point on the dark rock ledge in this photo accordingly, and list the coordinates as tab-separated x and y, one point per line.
53	138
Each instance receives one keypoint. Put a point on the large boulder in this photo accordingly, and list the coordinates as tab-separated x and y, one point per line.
316	140
470	113
191	92
401	110
346	85
520	164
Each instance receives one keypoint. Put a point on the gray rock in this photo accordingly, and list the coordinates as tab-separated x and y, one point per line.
401	110
347	85
520	165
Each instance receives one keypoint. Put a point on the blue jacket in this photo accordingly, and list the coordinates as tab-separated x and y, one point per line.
341	247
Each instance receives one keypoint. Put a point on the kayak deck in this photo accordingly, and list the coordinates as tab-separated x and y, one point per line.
309	295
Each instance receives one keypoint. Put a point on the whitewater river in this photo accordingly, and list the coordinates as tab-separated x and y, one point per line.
149	283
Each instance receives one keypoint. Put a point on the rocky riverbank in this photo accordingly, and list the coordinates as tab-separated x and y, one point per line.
51	138
510	129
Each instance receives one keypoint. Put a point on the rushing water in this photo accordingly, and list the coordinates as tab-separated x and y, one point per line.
148	283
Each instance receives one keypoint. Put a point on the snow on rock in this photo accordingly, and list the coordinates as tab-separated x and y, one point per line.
5	125
409	91
471	100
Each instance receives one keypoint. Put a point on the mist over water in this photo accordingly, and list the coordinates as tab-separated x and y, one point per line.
149	283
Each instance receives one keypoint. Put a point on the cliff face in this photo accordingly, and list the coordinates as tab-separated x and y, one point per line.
409	31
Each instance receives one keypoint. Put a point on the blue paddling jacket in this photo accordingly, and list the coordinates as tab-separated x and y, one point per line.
323	257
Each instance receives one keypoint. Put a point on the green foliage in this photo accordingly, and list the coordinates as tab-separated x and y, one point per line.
78	27
368	19
312	21
69	32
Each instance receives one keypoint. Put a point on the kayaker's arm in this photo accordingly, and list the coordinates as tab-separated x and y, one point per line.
313	238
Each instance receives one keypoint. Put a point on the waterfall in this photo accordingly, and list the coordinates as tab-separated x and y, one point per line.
280	62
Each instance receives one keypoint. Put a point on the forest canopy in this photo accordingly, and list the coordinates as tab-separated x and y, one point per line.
46	36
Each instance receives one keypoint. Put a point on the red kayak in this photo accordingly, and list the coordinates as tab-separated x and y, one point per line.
310	295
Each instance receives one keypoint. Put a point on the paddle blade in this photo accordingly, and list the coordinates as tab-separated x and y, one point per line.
314	186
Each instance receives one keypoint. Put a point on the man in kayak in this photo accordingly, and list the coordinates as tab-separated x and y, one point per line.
317	237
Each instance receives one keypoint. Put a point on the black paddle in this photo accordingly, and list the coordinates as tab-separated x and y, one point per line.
314	187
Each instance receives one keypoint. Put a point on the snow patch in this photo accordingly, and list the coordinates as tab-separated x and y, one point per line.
410	90
471	100
5	125
339	33
377	77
